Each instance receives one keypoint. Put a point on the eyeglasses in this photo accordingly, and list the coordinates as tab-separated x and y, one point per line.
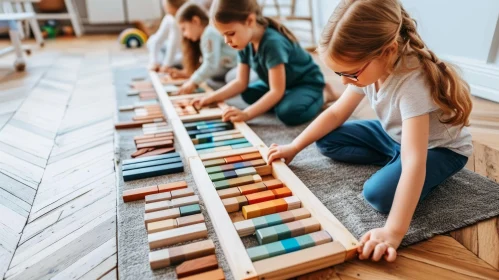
353	77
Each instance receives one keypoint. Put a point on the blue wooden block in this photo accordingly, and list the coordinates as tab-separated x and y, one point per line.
189	210
147	172
230	174
275	249
215	125
260	222
242	145
291	245
220	143
150	163
243	164
194	125
193	133
158	157
305	241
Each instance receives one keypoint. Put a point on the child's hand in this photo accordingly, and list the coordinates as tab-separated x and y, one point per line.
176	73
380	242
187	88
165	69
199	102
287	152
234	114
154	67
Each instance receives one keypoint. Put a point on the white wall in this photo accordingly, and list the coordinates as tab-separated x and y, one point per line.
464	32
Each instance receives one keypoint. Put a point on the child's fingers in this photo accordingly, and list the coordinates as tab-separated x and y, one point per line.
368	249
365	237
391	254
379	251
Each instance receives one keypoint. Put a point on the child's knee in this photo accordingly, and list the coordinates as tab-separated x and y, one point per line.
376	197
292	115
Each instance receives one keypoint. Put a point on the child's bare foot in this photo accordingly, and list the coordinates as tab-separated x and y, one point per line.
330	95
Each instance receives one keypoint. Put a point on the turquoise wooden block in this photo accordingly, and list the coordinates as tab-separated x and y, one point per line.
258	253
190	210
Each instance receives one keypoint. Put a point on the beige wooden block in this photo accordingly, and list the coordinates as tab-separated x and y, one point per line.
177	235
161	215
182	193
161	225
158	197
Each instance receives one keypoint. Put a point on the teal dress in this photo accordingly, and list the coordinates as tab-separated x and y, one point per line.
303	98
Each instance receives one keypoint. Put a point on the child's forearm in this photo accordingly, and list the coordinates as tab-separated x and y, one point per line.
406	196
231	89
265	103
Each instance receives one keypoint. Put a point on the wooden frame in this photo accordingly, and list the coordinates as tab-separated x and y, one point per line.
344	245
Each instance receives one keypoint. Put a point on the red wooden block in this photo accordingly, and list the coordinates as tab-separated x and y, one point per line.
156	152
251	156
141	151
196	266
138	194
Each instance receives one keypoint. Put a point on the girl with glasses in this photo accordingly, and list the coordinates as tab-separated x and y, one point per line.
423	106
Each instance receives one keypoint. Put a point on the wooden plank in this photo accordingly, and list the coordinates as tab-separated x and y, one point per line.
301	262
468	237
20	170
488	241
486	160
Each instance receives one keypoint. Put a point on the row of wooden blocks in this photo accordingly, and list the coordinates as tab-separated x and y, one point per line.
145	115
146	167
154	144
237	203
182	223
147	94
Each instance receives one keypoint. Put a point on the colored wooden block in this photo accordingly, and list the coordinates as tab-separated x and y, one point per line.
177	235
161	225
182	193
158	157
217	274
172	186
157	144
282	192
156	152
193	133
248	227
138	194
220	143
141	152
223	175
253	188
273	184
233	159
194	125
151	163
271	207
234	166
214	125
214	169
190	220
245	171
227	137
167	204
190	210
161	215
227	193
287	230
264	170
214	150
148	172
197	266
166	257
154	139
135	124
242	145
288	245
234	204
239	181
217	133
251	156
158	197
152	136
213	162
260	197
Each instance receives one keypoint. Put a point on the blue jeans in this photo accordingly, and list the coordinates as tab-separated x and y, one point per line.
366	142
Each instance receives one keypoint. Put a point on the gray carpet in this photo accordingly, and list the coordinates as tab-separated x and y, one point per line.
462	200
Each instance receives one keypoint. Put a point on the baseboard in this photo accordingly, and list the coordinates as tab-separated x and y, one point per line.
482	77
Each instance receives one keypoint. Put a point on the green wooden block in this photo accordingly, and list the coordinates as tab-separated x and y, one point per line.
220	185
275	249
305	241
190	210
246	171
257	253
214	169
220	143
213	162
259	222
267	235
217	176
283	231
273	219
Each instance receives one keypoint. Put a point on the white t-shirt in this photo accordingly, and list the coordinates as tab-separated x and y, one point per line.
168	35
405	95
